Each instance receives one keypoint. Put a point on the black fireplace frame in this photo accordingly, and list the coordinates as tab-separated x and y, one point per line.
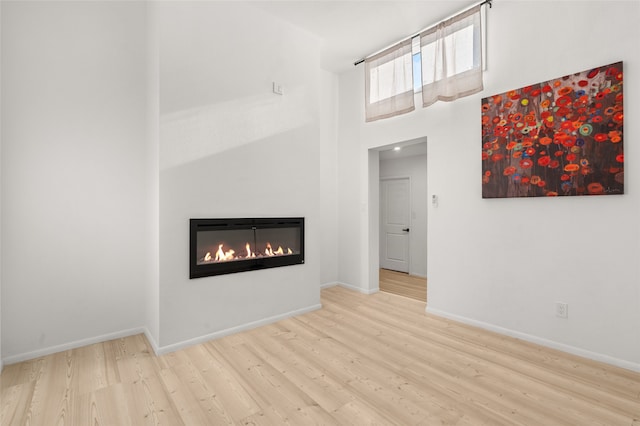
243	265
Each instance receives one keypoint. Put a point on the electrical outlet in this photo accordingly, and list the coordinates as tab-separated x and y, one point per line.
562	310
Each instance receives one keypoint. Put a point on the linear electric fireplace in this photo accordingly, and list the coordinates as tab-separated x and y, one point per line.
226	246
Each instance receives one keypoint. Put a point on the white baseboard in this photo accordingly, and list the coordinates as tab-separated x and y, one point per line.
350	287
222	333
72	345
152	341
327	285
539	340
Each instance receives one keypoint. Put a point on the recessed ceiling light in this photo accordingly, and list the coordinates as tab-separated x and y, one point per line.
397	148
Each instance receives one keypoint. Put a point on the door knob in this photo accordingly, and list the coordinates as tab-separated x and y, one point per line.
406	229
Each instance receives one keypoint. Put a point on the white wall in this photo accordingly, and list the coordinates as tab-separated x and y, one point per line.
329	178
503	263
415	168
229	147
1	361
152	291
75	174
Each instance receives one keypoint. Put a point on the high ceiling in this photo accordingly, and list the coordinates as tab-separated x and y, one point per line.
351	30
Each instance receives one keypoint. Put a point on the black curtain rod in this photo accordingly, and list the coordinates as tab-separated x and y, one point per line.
359	61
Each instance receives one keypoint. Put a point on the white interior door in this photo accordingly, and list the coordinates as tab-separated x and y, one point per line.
395	206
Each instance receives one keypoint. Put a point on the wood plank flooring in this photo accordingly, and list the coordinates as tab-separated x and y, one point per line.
360	360
403	284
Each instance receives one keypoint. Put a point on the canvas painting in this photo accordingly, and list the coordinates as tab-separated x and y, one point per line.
556	138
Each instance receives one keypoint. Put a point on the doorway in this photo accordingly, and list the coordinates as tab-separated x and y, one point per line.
402	218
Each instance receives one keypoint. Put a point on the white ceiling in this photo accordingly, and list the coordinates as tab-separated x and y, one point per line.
350	30
407	149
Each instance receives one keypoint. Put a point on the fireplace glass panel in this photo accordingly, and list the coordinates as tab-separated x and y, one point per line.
222	246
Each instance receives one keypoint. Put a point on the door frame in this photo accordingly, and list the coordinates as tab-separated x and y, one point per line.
370	247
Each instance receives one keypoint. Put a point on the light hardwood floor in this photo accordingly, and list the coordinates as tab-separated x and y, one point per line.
361	359
403	284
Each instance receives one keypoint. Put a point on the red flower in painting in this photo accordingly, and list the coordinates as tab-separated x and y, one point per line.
530	151
563	91
497	157
567	125
545	140
544	161
565	177
508	171
554	164
620	158
565	139
618	117
535	180
615	136
571	168
485	156
571	157
526	163
600	137
593	72
563	111
501	131
525	179
595	188
542	184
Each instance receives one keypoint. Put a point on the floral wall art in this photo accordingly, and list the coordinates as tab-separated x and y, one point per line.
559	137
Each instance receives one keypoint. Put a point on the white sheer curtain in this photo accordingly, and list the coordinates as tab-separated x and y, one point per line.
389	82
452	58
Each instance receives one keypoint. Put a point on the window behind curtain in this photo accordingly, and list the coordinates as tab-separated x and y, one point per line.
389	82
452	58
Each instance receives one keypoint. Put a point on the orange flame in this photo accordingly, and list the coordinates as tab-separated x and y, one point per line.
221	255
